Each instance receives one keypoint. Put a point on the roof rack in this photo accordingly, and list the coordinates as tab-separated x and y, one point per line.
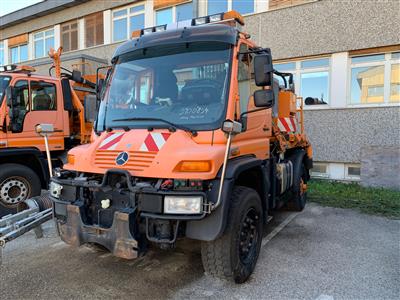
231	18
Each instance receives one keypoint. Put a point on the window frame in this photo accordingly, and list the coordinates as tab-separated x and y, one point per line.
19	53
69	23
352	177
92	16
297	80
127	16
43	39
230	7
174	15
2	62
325	175
387	63
31	89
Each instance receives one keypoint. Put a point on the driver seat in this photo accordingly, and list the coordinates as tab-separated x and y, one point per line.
42	102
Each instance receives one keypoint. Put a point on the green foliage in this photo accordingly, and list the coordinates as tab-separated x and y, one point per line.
378	201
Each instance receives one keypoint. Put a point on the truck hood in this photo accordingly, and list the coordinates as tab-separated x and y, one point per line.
152	154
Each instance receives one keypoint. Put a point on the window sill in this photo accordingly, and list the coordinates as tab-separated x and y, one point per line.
373	105
317	107
350	106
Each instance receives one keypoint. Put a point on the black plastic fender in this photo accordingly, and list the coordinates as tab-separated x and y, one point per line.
211	227
39	160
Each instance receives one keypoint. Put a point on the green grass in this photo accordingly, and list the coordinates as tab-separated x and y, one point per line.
377	201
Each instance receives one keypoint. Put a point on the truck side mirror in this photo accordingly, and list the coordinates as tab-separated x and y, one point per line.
263	69
264	98
90	103
77	76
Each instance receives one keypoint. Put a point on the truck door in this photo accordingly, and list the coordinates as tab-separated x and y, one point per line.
258	124
36	103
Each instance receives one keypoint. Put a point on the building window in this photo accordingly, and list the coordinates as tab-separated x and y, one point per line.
314	79
164	16
43	41
1	53
69	36
241	6
320	170
311	77
127	20
173	14
353	171
375	79
19	53
94	31
289	67
395	78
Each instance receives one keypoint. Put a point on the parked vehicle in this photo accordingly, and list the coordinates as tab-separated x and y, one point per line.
26	100
195	138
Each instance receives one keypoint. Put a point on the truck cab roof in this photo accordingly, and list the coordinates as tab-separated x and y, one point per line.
202	33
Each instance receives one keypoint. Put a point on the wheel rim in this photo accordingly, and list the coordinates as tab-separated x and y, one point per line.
248	236
14	190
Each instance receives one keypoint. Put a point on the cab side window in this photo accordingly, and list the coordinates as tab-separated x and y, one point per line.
244	78
20	106
43	96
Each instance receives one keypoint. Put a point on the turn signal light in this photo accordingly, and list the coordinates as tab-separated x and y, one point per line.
193	166
71	159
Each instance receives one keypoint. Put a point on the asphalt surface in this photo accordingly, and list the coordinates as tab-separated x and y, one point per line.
321	253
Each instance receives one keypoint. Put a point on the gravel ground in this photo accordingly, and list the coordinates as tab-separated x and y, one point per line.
322	253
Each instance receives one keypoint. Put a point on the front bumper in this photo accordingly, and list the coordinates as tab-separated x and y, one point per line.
123	227
117	239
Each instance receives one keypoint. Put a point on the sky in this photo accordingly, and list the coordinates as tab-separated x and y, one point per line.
8	6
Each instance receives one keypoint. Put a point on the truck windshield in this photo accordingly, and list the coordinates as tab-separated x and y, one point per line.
4	82
184	84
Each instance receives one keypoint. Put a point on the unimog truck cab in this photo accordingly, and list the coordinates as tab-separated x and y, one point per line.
26	100
195	139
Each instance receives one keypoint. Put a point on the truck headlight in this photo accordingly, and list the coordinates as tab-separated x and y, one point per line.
183	204
55	189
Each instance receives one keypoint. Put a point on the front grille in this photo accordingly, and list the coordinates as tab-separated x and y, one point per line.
138	160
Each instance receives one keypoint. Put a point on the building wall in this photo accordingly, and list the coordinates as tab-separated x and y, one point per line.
341	133
326	26
380	167
64	15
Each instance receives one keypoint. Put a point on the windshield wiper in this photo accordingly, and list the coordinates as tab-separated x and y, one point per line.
173	125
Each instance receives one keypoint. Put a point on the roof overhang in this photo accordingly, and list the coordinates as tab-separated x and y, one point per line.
36	10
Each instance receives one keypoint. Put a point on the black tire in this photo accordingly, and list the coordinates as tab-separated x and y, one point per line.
298	197
17	183
227	258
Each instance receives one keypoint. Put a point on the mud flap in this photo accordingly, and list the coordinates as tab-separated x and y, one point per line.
117	239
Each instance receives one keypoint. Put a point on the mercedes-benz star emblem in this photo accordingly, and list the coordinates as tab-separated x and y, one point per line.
122	158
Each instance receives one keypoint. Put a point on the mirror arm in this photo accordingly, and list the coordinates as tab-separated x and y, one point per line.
241	118
251	111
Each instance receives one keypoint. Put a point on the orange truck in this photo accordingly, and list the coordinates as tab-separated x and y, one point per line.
196	137
26	100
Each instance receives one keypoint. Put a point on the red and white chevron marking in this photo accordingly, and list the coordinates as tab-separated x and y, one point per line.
154	141
287	124
111	141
